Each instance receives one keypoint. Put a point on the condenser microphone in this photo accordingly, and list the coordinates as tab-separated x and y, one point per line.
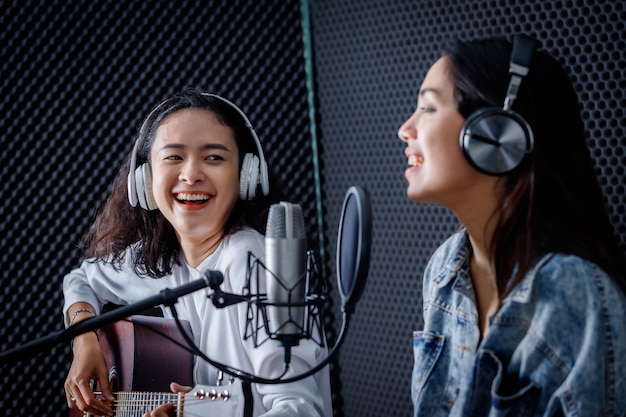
289	312
285	272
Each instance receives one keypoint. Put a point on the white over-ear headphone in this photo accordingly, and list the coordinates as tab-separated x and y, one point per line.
253	168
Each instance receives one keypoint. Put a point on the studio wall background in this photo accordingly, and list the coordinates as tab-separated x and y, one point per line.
77	77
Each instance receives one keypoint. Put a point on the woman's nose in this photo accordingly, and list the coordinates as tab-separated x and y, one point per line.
191	173
408	131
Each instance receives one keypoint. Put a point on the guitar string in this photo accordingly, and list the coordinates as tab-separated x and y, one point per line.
182	406
138	397
130	402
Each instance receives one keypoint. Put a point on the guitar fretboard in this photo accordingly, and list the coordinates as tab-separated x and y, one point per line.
202	400
136	404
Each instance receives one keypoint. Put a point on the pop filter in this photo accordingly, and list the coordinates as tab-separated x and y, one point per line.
354	243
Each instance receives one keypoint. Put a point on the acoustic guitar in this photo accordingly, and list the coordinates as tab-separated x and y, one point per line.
144	354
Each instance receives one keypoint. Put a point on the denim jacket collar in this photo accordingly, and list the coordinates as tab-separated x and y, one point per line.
462	249
523	291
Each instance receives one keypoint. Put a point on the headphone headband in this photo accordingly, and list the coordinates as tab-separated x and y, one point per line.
262	163
519	65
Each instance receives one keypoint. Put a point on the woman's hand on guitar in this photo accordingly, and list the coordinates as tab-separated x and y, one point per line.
167	410
88	364
179	388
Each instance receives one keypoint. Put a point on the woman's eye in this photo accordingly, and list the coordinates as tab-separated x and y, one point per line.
214	158
426	109
173	158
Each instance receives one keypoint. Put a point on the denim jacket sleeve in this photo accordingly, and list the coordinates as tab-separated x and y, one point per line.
578	329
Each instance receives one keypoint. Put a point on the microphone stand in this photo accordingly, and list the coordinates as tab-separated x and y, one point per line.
166	297
222	299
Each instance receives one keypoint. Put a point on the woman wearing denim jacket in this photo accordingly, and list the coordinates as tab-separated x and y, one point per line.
525	306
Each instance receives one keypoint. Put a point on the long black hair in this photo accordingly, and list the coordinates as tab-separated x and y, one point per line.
552	202
156	247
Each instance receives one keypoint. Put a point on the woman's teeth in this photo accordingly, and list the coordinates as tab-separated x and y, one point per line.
416	160
192	197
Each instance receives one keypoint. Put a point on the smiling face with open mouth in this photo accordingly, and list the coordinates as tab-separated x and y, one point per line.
195	173
437	171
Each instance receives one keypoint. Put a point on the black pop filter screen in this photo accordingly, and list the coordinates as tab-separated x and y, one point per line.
354	246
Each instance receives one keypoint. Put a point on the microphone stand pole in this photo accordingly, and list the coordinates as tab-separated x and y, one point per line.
166	297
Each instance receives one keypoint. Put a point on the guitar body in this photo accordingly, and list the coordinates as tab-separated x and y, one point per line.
142	355
145	354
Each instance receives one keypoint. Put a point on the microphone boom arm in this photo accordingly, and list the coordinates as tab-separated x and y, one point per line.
166	297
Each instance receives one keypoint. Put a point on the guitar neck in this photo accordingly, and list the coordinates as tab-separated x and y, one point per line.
202	400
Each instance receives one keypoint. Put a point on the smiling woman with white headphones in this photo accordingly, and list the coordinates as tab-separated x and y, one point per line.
253	167
193	195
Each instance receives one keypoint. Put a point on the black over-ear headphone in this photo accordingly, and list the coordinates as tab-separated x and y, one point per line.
253	169
495	140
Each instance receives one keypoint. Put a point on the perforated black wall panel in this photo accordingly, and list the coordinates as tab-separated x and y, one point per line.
76	79
370	58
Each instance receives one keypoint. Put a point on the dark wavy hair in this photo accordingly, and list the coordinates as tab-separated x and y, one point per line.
552	202
118	225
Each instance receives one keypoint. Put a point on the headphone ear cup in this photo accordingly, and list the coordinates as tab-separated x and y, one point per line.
495	141
140	187
132	187
143	184
249	177
149	195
